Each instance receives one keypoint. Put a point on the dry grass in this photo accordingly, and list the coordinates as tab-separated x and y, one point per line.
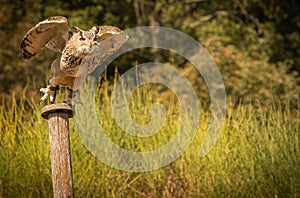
257	154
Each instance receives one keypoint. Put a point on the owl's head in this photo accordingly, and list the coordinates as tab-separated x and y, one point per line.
98	35
81	35
81	40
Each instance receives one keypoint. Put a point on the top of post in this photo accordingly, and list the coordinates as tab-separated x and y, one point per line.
56	108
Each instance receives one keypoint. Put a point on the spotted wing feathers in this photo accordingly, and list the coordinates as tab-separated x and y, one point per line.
51	33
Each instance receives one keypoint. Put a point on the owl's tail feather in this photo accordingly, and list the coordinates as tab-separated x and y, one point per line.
71	97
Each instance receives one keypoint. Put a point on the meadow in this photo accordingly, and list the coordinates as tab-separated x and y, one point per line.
256	155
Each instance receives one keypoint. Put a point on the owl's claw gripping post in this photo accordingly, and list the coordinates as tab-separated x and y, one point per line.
50	92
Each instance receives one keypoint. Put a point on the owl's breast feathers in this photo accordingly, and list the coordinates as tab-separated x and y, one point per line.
70	61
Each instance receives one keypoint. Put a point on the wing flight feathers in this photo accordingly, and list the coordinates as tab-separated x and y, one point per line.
52	33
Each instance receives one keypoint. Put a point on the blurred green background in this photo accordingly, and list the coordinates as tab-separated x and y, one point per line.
254	43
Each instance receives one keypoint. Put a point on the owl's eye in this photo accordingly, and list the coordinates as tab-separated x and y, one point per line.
82	39
95	39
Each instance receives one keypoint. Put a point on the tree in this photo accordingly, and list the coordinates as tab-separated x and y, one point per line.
250	40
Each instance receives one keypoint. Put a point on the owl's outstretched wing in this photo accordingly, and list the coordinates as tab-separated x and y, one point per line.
51	33
108	40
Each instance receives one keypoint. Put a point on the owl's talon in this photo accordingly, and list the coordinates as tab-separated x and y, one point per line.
50	92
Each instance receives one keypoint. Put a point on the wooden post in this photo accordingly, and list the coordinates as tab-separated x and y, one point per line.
58	122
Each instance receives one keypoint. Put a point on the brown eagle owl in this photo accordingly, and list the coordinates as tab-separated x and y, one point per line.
80	51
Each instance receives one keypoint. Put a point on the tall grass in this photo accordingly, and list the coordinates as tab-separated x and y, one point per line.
257	154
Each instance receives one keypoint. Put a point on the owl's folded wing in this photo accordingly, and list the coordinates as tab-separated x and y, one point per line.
51	33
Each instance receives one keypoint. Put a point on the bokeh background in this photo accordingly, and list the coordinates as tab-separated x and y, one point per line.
254	43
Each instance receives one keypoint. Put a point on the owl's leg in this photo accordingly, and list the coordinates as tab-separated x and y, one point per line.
52	97
49	91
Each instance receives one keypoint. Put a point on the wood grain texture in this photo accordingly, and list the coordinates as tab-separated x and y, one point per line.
60	107
58	123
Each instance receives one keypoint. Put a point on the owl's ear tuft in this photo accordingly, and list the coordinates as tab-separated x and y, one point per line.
70	35
96	29
76	29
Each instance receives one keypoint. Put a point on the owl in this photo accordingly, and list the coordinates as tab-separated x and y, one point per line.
80	52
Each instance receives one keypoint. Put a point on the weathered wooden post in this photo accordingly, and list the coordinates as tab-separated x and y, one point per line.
58	122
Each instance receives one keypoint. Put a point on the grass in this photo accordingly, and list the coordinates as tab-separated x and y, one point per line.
257	154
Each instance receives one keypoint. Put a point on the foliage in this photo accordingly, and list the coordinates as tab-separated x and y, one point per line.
254	43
